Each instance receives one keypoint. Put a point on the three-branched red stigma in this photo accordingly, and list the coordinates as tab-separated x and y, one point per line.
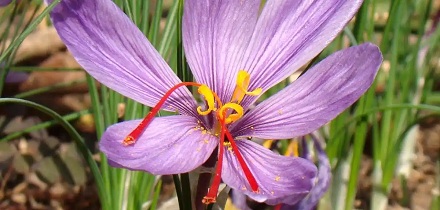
224	114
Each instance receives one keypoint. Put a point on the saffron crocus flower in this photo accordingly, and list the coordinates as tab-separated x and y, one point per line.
16	77
13	77
323	179
322	182
4	3
235	53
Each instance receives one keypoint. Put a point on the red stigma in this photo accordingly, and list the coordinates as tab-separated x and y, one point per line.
247	172
137	132
213	190
277	207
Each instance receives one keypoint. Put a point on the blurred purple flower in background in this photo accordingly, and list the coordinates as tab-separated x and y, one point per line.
4	2
235	54
16	77
13	77
323	179
309	202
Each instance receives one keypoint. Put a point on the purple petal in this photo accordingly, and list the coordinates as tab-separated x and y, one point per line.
169	145
305	153
16	77
116	53
215	34
315	98
277	176
4	2
324	176
289	34
239	200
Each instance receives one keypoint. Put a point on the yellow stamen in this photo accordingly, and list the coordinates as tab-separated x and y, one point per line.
292	149
228	144
232	117
240	91
209	97
267	144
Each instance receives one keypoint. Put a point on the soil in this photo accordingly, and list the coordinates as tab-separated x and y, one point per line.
418	190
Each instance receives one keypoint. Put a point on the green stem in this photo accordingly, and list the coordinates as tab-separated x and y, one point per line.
186	190
49	88
47	124
178	186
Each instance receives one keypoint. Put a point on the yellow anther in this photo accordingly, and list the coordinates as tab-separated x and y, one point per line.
227	144
267	144
292	149
240	91
232	117
209	98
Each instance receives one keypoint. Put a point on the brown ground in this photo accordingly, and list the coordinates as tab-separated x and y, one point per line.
417	192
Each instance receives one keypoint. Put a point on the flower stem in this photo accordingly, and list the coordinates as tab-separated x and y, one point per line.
204	181
178	186
186	191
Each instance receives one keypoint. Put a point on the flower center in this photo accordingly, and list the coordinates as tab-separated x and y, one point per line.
224	113
234	110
